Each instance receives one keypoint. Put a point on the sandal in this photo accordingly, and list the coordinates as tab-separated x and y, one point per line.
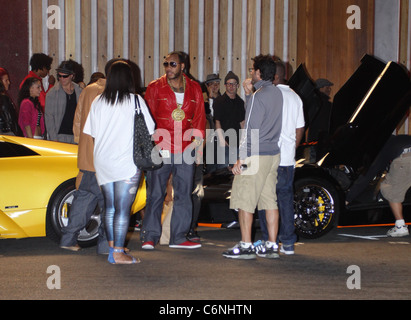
126	250
113	261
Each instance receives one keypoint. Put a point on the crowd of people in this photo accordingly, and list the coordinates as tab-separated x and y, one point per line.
255	140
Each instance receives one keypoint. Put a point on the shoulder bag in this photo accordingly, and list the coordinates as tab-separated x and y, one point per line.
146	157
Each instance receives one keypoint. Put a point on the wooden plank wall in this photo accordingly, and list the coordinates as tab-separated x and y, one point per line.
405	52
330	50
14	43
327	47
218	35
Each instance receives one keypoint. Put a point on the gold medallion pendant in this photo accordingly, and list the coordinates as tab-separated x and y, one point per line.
178	115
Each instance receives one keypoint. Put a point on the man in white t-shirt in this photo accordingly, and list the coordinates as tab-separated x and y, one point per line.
291	134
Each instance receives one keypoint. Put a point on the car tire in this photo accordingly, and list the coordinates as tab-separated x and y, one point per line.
317	206
58	212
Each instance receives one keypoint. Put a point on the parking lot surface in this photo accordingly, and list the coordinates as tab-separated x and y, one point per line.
346	264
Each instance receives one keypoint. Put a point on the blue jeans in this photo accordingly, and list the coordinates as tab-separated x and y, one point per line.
285	198
181	217
86	198
119	197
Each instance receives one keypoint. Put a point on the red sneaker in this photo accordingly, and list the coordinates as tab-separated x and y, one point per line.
148	245
186	245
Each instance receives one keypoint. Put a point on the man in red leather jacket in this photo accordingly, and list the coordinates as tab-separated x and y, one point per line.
177	105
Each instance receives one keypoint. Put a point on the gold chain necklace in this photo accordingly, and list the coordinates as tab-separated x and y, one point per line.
178	114
175	89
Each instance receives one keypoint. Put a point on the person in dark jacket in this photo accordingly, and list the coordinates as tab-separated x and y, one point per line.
8	116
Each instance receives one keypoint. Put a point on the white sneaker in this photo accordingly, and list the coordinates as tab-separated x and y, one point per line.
288	250
266	249
397	232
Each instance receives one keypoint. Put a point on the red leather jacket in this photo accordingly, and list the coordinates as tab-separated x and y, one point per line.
176	136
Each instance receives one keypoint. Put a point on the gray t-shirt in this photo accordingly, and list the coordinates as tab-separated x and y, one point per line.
263	121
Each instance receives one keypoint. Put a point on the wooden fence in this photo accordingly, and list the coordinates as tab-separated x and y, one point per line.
218	35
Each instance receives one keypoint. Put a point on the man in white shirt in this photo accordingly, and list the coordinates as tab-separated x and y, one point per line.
291	134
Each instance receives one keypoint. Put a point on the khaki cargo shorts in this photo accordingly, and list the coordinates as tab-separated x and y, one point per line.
398	179
257	185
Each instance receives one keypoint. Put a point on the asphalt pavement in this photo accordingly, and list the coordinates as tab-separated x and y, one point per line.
346	264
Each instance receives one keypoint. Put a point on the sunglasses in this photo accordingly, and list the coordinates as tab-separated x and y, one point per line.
172	64
65	76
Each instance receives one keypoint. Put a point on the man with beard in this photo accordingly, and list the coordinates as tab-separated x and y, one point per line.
177	105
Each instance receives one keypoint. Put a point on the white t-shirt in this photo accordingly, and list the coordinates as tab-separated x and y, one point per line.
112	127
179	98
293	118
210	103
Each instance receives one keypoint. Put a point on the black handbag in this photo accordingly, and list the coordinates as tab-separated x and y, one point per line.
146	157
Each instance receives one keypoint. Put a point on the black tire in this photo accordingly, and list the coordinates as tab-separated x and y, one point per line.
317	206
58	212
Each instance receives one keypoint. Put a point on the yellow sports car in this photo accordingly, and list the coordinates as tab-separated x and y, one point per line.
37	187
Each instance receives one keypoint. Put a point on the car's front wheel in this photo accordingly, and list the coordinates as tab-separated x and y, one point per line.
316	203
58	213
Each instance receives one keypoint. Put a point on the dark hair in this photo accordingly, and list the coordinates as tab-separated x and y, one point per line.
3	72
110	63
281	71
24	93
182	56
39	61
119	84
2	88
78	71
266	65
95	77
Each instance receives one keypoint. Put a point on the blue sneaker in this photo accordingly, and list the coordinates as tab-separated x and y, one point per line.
266	249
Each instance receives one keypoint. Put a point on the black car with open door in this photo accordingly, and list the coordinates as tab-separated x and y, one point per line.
364	114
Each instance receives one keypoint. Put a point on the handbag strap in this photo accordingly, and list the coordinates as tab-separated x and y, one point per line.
137	100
